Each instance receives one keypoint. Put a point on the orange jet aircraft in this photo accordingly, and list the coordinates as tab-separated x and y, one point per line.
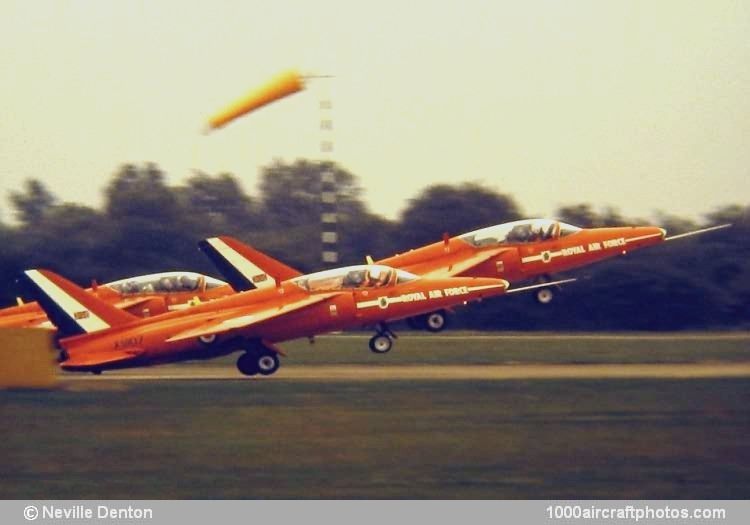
246	268
143	296
94	335
530	249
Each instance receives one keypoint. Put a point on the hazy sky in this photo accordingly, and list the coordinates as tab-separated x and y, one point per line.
643	106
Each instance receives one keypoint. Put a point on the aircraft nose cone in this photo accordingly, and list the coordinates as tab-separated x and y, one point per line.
663	233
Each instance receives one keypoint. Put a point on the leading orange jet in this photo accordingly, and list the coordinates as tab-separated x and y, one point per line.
530	249
143	296
94	335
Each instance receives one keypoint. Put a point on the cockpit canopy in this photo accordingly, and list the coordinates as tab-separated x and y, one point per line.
167	282
519	232
354	277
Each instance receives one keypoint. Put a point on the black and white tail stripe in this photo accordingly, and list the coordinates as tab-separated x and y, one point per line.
241	272
67	313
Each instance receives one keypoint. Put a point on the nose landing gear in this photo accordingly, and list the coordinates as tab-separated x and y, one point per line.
382	341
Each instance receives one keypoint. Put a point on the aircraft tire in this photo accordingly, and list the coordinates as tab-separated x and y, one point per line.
267	363
435	321
247	364
208	340
544	295
381	344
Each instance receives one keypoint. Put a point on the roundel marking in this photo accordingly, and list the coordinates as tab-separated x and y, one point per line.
383	302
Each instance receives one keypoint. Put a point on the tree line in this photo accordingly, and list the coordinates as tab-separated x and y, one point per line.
146	225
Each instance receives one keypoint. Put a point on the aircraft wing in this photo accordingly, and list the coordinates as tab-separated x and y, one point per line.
102	358
32	319
452	269
233	320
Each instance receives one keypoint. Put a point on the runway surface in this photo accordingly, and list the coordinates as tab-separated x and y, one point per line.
426	372
636	336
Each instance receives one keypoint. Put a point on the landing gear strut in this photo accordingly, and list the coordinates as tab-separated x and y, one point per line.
259	360
382	342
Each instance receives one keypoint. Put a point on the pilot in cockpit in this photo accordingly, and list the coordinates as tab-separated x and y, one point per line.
538	233
354	279
187	282
166	284
379	277
520	233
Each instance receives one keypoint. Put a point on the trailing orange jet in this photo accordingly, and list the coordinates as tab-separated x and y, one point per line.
94	335
245	268
143	296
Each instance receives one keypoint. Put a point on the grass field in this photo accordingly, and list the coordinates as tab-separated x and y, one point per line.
394	439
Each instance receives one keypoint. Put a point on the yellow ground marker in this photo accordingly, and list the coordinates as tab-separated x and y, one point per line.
27	358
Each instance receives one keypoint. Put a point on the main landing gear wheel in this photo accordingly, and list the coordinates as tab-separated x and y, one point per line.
381	343
247	364
264	363
435	321
267	363
544	295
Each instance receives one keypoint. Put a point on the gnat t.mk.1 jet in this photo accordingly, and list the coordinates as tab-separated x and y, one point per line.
530	249
245	268
94	335
142	296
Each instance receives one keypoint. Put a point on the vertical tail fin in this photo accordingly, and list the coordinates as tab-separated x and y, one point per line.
243	266
72	309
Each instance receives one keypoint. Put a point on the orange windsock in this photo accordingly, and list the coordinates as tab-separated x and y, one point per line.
282	85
